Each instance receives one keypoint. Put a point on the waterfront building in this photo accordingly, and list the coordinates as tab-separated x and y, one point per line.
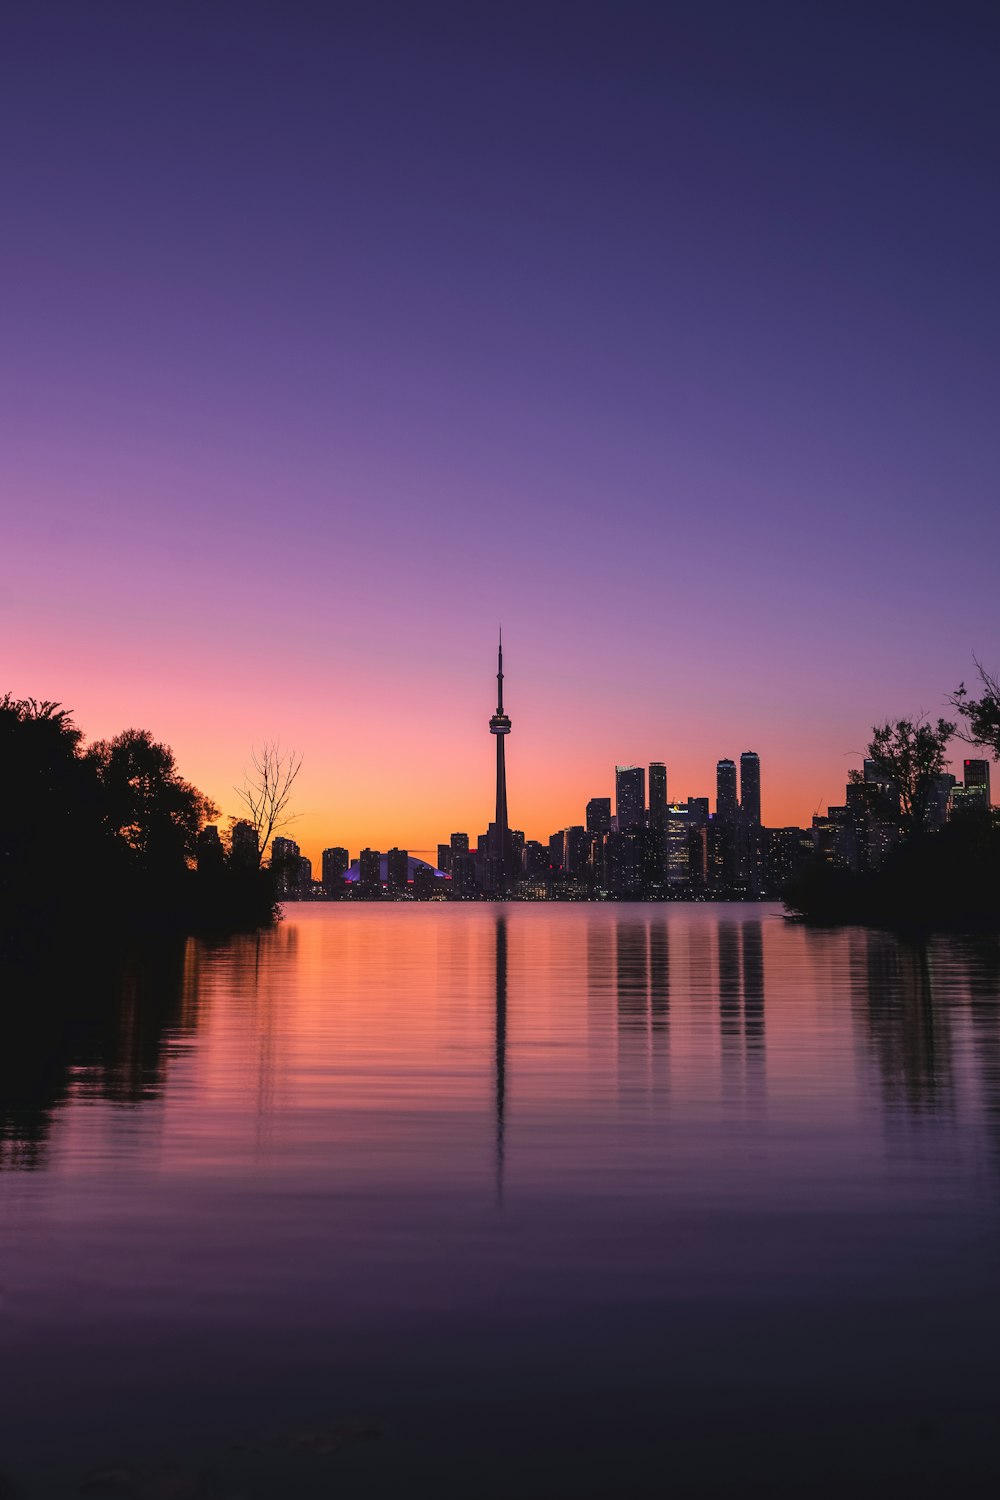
599	815
977	778
750	788
630	797
657	794
245	849
397	871
334	867
726	804
444	858
370	874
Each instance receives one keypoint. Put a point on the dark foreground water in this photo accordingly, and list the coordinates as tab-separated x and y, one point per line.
485	1201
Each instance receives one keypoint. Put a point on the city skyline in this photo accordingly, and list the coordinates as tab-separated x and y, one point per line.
326	355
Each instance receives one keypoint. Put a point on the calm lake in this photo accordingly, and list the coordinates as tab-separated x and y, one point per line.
469	1201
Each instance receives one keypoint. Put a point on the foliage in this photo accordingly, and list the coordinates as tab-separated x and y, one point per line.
105	835
981	715
147	804
909	755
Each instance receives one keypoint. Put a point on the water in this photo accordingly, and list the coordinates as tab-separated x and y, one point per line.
483	1201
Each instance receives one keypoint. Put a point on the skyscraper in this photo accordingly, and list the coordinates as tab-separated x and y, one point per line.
630	797
750	788
977	774
599	815
657	794
500	726
725	792
335	863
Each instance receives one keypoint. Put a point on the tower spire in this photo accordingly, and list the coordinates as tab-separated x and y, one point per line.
500	726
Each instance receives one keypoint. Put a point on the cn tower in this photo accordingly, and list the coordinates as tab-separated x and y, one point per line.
500	726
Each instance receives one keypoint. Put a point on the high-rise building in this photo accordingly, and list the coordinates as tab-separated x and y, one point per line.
630	797
335	863
725	792
444	858
977	776
245	849
397	871
500	728
677	845
460	843
576	848
599	815
370	873
657	794
750	788
285	856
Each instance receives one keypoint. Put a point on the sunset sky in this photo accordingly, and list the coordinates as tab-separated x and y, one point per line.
333	336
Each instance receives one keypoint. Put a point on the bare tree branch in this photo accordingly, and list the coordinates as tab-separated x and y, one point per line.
266	790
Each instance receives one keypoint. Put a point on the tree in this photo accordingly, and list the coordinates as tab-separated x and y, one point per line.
909	755
266	790
982	715
148	806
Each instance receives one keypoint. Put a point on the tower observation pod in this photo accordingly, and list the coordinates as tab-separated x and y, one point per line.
500	726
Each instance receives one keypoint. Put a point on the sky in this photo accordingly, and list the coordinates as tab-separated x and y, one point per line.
334	336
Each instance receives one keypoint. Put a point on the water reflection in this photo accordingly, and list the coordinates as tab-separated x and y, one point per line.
103	1034
908	1025
500	1047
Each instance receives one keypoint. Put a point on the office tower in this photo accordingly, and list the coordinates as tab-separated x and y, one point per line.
937	807
750	788
599	815
630	797
460	843
536	859
657	794
977	777
500	727
463	874
370	873
698	813
576	848
444	858
556	845
725	792
397	871
334	867
302	874
285	854
677	845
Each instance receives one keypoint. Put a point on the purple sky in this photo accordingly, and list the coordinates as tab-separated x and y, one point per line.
665	333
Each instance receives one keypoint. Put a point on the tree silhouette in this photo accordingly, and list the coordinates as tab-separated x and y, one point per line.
909	754
266	790
982	715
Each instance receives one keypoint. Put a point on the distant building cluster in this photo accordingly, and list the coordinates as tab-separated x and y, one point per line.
647	849
862	831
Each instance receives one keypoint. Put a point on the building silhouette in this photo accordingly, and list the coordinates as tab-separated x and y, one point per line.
599	815
500	852
334	867
630	797
750	788
397	871
657	794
